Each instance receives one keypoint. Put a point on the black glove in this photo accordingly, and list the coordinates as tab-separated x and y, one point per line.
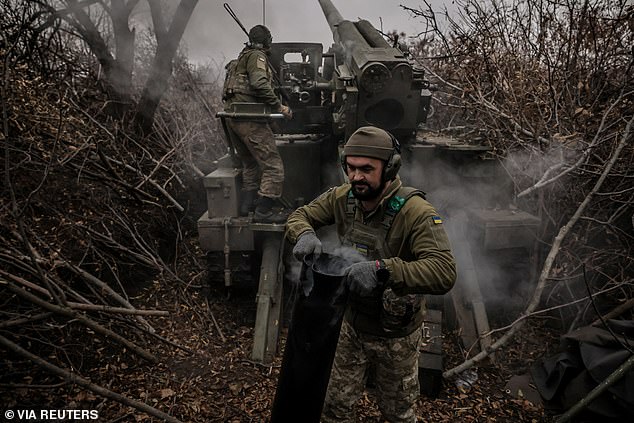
361	278
307	243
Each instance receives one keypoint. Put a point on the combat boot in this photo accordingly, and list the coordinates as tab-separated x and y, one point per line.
247	203
267	212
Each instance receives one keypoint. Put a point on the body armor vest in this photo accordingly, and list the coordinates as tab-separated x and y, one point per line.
383	313
237	78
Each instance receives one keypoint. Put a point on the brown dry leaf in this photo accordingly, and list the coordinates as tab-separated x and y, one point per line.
235	388
85	396
167	392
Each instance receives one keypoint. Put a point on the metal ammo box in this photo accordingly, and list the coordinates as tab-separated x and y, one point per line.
223	192
215	233
219	226
430	359
504	228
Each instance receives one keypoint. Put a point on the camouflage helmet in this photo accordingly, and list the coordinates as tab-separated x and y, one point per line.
370	141
260	34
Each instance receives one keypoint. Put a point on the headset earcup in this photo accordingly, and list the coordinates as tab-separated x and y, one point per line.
392	167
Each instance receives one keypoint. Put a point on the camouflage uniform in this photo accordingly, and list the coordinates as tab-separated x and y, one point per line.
248	79
396	361
383	330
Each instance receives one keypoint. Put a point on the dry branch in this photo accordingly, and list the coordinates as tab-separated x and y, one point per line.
213	319
550	259
617	311
85	383
546	179
85	201
65	311
24	320
117	310
106	288
151	181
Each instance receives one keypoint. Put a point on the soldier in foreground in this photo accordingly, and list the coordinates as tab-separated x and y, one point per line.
248	79
408	255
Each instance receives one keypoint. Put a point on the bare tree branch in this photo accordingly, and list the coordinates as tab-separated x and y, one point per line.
84	383
554	251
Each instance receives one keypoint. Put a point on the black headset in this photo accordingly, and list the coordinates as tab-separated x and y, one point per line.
392	164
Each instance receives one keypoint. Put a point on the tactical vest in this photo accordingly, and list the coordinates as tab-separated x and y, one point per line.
384	313
237	78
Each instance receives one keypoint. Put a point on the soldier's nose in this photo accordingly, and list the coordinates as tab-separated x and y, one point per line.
355	176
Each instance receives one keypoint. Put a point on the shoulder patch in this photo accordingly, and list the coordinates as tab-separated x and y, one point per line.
261	63
396	203
436	219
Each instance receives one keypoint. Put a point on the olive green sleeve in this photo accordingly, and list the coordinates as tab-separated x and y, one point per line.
433	267
319	212
259	79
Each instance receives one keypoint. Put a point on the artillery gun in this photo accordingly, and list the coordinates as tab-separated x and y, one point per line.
362	80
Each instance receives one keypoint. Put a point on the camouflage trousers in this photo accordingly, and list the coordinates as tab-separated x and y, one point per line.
262	167
396	364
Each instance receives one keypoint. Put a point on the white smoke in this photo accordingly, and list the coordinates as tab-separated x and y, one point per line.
456	188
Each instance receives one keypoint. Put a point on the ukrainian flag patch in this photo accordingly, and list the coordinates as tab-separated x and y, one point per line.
363	249
436	219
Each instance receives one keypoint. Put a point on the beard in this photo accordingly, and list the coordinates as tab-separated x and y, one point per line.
364	192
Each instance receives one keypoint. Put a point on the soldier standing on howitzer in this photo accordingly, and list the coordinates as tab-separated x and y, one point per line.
248	79
408	255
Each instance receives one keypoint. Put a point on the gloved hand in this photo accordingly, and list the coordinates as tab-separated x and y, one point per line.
361	278
307	243
286	111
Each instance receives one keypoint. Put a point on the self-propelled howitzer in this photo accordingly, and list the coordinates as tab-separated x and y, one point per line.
361	80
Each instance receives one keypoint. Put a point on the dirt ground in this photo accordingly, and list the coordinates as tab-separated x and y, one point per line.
206	374
218	382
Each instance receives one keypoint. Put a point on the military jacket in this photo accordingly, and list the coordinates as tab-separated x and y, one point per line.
420	259
248	79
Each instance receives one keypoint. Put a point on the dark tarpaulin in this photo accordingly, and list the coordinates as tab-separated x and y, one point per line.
311	343
588	356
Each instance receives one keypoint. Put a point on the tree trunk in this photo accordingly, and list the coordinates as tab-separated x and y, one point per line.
167	45
120	76
117	69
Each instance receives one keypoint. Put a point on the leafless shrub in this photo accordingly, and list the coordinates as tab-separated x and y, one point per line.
549	86
89	212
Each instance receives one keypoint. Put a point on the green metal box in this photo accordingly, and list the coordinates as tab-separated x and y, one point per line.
215	233
504	228
223	192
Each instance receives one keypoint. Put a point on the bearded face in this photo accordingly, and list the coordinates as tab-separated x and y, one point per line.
365	192
365	175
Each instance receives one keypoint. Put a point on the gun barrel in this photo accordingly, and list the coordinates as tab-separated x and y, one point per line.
344	32
372	36
331	13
